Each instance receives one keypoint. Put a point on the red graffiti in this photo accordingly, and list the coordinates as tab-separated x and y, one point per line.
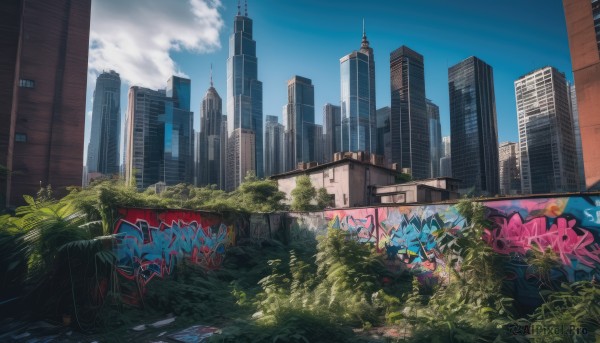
570	243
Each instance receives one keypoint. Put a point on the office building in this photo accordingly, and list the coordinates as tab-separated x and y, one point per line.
446	166
384	134
473	127
332	131
244	104
546	136
43	79
577	133
435	137
358	114
209	162
159	135
274	146
408	119
510	168
104	146
583	27
300	114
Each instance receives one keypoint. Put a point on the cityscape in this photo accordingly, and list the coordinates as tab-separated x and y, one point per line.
452	149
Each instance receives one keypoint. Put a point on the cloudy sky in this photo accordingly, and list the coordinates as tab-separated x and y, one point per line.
147	41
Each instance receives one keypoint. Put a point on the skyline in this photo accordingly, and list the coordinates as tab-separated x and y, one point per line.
530	36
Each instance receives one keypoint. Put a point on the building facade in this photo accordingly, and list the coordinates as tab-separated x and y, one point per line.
244	104
357	104
332	131
300	114
43	81
274	146
473	127
209	148
583	27
159	135
546	136
104	146
435	137
408	120
577	133
510	168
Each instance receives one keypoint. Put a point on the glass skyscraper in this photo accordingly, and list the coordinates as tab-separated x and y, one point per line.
103	149
159	135
358	109
244	104
274	146
209	161
332	131
577	133
473	127
300	113
408	119
546	136
384	135
435	137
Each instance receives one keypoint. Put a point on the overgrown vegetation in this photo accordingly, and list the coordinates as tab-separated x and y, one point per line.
305	197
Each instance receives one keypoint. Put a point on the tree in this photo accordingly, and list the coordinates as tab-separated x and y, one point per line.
324	199
258	195
303	194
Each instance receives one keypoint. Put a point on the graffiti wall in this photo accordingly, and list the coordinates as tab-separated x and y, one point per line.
149	243
569	226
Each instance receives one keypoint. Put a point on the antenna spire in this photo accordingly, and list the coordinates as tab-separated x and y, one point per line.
239	13
211	80
364	34
365	43
246	8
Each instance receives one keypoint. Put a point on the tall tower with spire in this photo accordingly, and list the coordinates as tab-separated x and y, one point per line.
244	104
208	167
357	99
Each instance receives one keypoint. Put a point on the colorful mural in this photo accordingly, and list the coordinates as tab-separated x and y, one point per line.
149	243
360	224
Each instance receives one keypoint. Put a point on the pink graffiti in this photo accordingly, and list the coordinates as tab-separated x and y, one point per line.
515	236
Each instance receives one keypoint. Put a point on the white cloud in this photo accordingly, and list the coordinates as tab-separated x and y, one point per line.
134	37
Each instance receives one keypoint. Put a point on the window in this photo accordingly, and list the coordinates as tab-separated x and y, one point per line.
20	137
26	83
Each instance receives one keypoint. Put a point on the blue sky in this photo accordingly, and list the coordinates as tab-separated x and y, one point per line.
308	38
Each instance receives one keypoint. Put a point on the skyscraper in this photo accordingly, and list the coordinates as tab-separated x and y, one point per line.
244	104
583	26
577	133
358	112
446	160
211	114
274	146
300	118
446	149
435	137
43	76
473	126
408	119
384	134
332	131
510	168
546	138
159	135
103	149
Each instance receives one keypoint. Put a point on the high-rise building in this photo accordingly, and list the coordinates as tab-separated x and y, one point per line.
546	137
103	149
223	157
159	135
510	168
446	150
244	104
446	160
473	127
577	132
43	78
274	146
409	124
358	114
332	131
300	117
435	137
384	135
209	162
583	26
314	142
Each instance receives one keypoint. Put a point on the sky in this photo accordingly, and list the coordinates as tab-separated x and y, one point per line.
147	41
